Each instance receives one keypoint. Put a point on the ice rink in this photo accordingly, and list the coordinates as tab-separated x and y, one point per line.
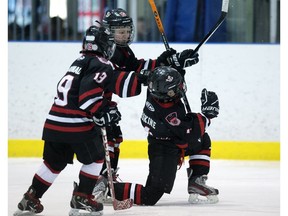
247	188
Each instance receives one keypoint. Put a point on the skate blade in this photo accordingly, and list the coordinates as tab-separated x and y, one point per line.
198	199
23	213
81	212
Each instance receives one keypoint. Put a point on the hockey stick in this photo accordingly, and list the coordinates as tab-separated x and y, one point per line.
117	205
165	41
224	11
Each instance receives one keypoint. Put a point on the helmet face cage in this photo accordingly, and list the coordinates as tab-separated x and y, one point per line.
166	84
121	26
99	40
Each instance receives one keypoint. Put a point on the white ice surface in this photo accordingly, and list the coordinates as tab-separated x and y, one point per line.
247	188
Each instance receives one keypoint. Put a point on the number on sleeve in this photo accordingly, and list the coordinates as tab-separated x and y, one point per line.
100	77
63	89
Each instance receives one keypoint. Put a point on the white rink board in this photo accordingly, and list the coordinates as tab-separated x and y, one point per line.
245	77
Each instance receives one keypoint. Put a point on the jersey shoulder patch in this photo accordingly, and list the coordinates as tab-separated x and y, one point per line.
149	106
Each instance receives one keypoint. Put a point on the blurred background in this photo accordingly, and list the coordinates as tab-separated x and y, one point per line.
248	21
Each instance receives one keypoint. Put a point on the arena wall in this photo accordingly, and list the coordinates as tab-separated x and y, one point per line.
246	78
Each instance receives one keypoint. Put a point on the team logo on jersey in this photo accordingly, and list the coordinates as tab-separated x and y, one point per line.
172	119
149	106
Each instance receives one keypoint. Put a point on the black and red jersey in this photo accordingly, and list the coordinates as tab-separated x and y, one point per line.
125	59
169	121
80	94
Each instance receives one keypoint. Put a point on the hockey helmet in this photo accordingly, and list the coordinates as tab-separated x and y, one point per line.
166	84
121	25
99	40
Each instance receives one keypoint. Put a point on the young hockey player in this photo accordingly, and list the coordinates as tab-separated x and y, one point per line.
74	121
172	134
122	27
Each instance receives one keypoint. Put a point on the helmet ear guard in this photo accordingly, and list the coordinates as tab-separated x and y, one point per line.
98	40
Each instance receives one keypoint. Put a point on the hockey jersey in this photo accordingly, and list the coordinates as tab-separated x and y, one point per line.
169	121
125	59
80	94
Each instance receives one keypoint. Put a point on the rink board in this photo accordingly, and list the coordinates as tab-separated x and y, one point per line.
236	150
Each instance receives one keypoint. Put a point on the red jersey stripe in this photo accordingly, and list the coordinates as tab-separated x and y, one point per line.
118	83
68	111
201	123
69	129
96	107
205	152
91	92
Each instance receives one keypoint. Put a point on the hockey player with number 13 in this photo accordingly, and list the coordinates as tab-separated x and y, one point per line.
74	121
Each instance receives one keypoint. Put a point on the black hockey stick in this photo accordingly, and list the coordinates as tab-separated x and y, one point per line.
165	41
224	11
117	205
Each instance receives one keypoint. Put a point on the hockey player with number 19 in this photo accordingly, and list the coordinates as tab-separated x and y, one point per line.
74	121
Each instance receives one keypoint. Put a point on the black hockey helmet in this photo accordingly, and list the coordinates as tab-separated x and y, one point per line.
98	40
166	84
121	25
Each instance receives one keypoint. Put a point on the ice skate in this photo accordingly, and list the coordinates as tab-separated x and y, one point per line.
84	205
199	192
101	190
29	205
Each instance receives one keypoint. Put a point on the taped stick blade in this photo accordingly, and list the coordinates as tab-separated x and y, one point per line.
121	205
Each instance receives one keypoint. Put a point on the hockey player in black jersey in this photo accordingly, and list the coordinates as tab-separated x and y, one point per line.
173	134
74	121
122	27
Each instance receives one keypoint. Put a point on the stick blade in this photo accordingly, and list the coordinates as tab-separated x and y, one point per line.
121	205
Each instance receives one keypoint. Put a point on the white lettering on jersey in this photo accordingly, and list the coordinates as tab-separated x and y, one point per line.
75	69
148	120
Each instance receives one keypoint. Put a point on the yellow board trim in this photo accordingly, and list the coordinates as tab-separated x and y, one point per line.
232	150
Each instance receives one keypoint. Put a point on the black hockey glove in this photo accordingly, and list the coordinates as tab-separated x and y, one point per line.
110	115
114	133
184	59
143	76
210	104
163	59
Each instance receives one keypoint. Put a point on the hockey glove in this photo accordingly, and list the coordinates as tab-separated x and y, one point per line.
163	59
143	76
111	115
114	134
184	59
210	104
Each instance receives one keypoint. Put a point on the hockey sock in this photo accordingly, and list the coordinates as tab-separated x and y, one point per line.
88	177
44	178
200	163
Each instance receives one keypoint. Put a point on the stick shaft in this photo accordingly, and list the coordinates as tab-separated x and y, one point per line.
166	44
224	11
